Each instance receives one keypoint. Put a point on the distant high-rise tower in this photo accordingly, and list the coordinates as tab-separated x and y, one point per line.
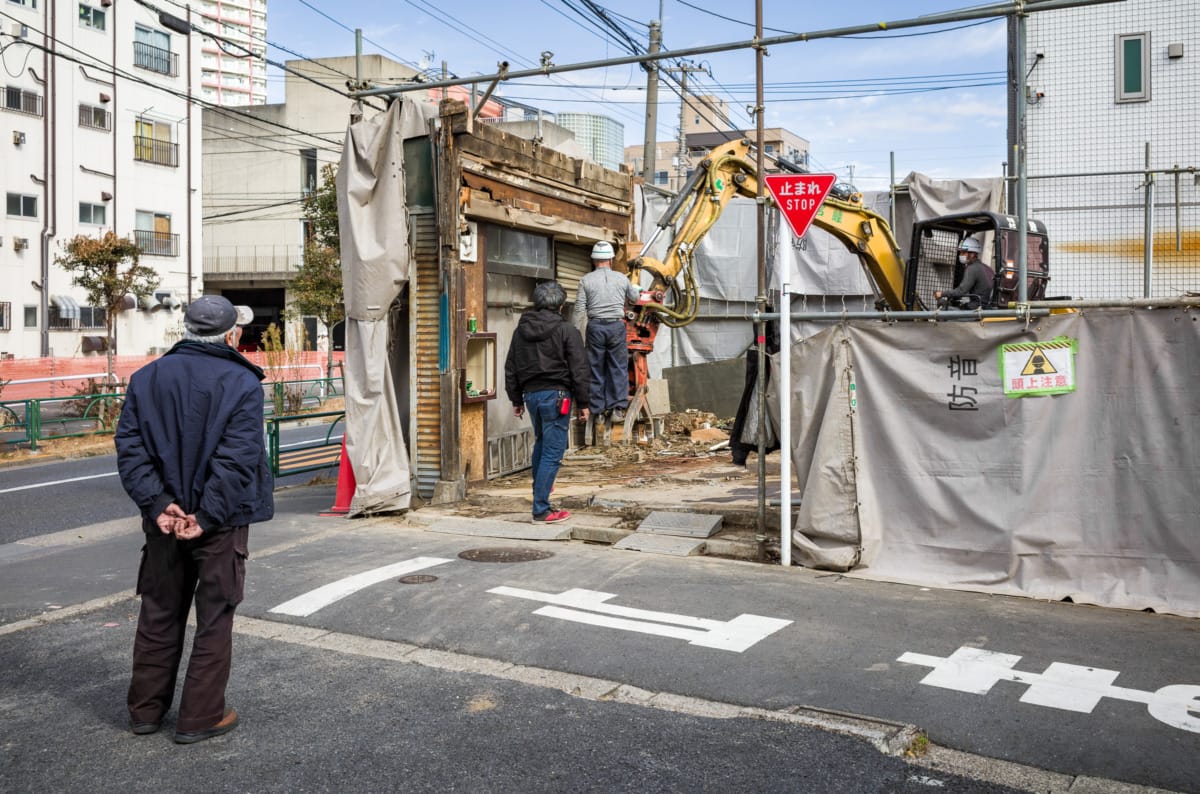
230	76
601	138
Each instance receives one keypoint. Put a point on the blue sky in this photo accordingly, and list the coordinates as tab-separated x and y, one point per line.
855	100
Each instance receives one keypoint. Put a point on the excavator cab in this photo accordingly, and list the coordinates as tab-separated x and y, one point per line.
933	261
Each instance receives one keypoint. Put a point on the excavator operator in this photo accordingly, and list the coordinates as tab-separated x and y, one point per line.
974	291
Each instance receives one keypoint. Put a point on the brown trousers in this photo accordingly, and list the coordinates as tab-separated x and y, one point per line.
211	569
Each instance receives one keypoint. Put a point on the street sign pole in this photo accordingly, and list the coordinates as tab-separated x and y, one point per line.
799	197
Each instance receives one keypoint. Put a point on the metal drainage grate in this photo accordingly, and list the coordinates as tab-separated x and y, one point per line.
501	554
417	578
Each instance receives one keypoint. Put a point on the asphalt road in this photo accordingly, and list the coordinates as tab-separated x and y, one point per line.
1076	690
66	494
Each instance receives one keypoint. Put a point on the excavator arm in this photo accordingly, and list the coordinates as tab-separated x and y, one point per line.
727	172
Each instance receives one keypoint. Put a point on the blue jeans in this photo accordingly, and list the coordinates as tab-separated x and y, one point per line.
608	357
550	442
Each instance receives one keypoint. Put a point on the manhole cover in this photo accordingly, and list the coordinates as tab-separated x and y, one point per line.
499	554
417	578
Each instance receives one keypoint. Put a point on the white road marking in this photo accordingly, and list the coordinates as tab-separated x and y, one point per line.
57	482
734	635
1062	686
310	602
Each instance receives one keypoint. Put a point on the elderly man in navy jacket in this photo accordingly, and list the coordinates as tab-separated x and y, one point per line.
190	453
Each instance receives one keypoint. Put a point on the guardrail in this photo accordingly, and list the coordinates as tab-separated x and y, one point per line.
30	421
309	456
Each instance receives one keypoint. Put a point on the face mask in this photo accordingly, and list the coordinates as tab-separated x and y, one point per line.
962	259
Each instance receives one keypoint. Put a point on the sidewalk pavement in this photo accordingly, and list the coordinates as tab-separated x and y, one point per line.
609	493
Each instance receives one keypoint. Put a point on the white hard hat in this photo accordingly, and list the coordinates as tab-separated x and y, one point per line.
602	250
971	244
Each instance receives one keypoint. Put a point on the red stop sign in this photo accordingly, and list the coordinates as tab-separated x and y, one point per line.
799	196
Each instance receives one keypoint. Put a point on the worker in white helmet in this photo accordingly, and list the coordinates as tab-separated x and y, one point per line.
974	290
601	304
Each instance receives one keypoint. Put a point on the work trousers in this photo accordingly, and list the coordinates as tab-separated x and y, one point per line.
608	357
550	430
211	571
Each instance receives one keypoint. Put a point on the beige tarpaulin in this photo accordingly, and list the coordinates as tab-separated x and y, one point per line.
373	224
916	467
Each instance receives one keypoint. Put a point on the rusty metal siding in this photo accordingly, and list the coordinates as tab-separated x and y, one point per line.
426	397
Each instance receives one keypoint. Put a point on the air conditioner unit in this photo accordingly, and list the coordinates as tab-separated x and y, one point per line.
20	243
15	29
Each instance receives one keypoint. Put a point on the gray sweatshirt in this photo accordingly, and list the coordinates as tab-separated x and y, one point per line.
602	295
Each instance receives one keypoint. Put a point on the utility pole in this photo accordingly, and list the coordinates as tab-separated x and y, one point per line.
681	156
650	142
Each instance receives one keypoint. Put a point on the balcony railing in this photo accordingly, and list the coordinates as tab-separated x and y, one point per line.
156	59
231	260
94	118
157	243
151	150
22	101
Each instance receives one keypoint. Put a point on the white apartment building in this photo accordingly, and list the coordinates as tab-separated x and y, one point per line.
98	135
228	75
1112	94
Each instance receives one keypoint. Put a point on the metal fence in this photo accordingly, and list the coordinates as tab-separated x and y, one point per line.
31	421
1121	234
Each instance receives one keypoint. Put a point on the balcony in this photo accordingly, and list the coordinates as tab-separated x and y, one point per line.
22	101
155	59
151	150
239	262
157	243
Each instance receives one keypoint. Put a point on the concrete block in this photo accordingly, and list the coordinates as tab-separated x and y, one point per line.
491	528
687	525
661	544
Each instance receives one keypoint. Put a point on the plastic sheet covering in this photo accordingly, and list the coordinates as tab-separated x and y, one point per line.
373	225
1088	495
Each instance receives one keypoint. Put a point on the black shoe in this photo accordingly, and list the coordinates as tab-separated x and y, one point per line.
227	724
144	728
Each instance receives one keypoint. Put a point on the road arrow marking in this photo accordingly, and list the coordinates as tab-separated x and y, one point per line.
1062	686
734	635
310	602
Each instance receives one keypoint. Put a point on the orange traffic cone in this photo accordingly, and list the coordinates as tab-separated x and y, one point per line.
345	486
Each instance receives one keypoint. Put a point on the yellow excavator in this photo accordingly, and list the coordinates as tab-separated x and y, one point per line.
673	299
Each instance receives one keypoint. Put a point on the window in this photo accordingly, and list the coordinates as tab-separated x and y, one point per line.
152	50
518	253
662	177
308	170
153	234
31	317
91	17
91	317
1133	67
21	206
768	148
92	213
22	101
26	3
94	118
152	143
5	315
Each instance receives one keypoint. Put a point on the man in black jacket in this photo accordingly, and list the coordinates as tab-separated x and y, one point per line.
190	453
547	365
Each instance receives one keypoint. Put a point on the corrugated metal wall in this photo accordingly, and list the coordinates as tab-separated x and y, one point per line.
572	262
428	443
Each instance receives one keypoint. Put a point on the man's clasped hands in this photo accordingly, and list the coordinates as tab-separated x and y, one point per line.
173	521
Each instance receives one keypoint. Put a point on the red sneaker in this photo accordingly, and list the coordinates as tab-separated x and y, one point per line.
553	517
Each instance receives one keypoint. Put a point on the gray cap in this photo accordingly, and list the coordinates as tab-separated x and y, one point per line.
212	315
